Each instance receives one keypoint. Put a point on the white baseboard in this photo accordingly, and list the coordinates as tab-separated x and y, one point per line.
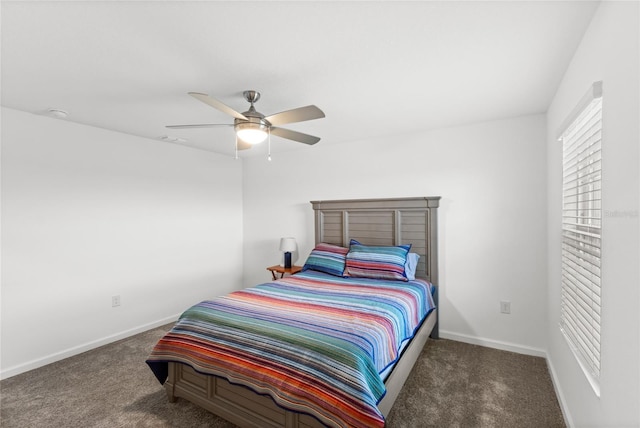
40	362
556	386
496	344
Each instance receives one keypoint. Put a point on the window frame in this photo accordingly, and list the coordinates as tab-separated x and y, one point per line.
581	241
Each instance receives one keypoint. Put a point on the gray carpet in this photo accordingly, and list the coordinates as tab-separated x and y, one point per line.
452	385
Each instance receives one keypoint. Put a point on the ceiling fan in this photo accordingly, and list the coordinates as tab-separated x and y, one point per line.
252	127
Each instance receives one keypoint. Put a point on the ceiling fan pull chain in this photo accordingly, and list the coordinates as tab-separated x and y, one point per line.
269	137
236	147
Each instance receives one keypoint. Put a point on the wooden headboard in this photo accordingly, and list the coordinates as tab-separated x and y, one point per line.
393	221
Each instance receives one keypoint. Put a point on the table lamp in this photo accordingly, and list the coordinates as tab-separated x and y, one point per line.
287	245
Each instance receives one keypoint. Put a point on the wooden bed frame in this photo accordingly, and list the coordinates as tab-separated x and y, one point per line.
372	222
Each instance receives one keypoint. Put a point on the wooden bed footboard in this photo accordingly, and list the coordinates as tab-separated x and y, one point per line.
234	403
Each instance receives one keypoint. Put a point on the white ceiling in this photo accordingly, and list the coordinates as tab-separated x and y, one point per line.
374	68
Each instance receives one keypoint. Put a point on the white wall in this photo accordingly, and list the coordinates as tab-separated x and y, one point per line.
492	180
609	52
89	213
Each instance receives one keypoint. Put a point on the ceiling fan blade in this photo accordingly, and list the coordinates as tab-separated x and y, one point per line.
203	125
294	135
296	115
217	104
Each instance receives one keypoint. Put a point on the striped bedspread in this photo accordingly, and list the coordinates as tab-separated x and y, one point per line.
315	343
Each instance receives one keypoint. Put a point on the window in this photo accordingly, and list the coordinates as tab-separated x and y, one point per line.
581	138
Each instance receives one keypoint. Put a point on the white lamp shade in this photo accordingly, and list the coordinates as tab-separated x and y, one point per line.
288	245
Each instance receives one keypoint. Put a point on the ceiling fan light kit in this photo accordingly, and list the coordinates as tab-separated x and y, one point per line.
252	127
252	133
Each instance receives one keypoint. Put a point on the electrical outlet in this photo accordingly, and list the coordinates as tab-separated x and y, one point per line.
505	307
115	301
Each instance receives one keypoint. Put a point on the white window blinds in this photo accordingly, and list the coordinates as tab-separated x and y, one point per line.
581	232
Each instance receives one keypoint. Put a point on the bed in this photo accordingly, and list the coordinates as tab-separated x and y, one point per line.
324	370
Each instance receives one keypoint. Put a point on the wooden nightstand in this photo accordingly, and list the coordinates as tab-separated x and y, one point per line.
277	269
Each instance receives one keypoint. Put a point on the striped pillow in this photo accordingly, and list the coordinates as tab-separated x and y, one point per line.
327	258
386	262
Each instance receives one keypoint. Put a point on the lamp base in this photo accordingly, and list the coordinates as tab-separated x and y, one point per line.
287	260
